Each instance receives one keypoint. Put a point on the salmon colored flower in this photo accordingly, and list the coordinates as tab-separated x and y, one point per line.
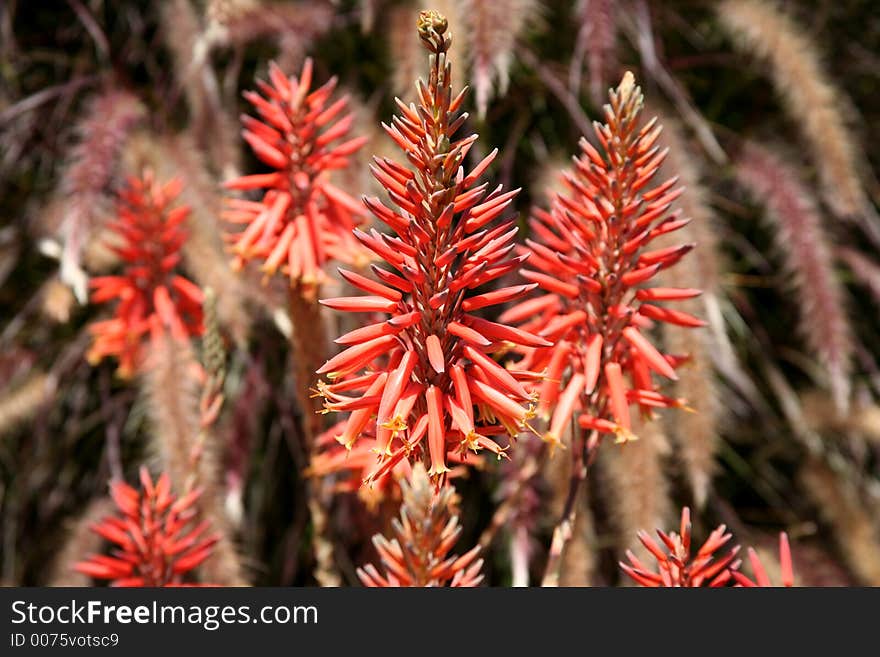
355	465
592	256
152	296
157	539
423	381
423	537
675	565
351	466
760	573
302	220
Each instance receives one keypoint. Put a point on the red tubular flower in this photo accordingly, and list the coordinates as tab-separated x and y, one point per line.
431	367
157	541
303	220
591	254
676	567
424	535
152	297
760	573
354	465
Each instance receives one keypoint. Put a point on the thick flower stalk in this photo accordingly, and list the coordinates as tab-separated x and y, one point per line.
302	220
157	539
591	254
425	374
676	567
152	297
423	536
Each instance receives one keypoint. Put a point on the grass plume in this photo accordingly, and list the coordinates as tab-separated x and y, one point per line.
805	248
815	104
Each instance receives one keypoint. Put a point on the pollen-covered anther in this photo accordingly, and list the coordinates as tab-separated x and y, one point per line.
623	435
396	424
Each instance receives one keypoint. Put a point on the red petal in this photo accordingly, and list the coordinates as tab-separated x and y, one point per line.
654	358
435	353
617	392
670	316
436	431
593	362
360	304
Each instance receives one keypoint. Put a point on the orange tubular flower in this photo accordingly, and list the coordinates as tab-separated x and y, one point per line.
152	297
430	357
424	535
761	577
676	567
158	542
302	220
354	465
591	255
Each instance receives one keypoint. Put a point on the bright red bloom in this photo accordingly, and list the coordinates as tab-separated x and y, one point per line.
303	220
675	565
427	366
157	538
591	255
424	535
152	296
760	573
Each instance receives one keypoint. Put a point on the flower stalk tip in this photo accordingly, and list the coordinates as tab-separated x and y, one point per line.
432	26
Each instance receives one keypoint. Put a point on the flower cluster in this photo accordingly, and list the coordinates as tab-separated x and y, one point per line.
590	256
675	565
354	464
302	220
424	535
152	296
427	373
157	540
